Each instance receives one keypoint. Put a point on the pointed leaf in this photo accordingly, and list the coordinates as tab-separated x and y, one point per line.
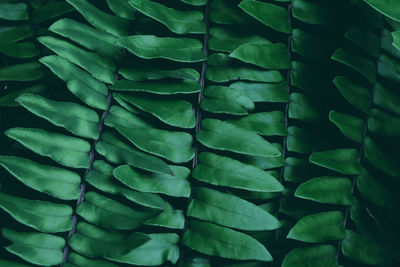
363	250
316	256
79	82
225	136
221	99
174	112
223	242
175	49
101	68
36	248
21	72
224	171
180	22
262	92
40	215
327	189
92	241
109	213
269	56
173	146
100	19
67	150
231	211
100	176
345	161
176	186
168	87
351	126
319	227
160	249
271	15
54	181
117	151
75	118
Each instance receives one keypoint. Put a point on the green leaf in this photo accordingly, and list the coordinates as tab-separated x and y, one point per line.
173	146
19	50
302	107
175	49
396	39
269	56
100	176
224	171
49	10
223	12
118	115
319	227
313	13
351	126
344	161
176	186
226	40
365	67
54	181
299	140
180	22
271	15
386	99
225	136
40	215
315	256
122	9
175	112
168	87
388	8
13	264
264	123
262	92
223	242
364	39
363	250
195	2
75	118
100	19
16	33
169	218
36	248
109	213
149	73
226	74
160	249
17	11
231	211
380	159
8	100
327	189
358	96
21	72
75	259
92	241
95	40
375	192
222	99
79	82
382	123
117	151
67	150
101	68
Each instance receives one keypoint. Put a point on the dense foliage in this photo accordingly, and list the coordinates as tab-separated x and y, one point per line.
199	133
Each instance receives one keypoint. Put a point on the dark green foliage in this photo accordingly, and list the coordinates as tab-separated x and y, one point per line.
199	133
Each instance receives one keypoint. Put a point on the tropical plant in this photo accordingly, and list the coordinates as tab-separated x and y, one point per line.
200	133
